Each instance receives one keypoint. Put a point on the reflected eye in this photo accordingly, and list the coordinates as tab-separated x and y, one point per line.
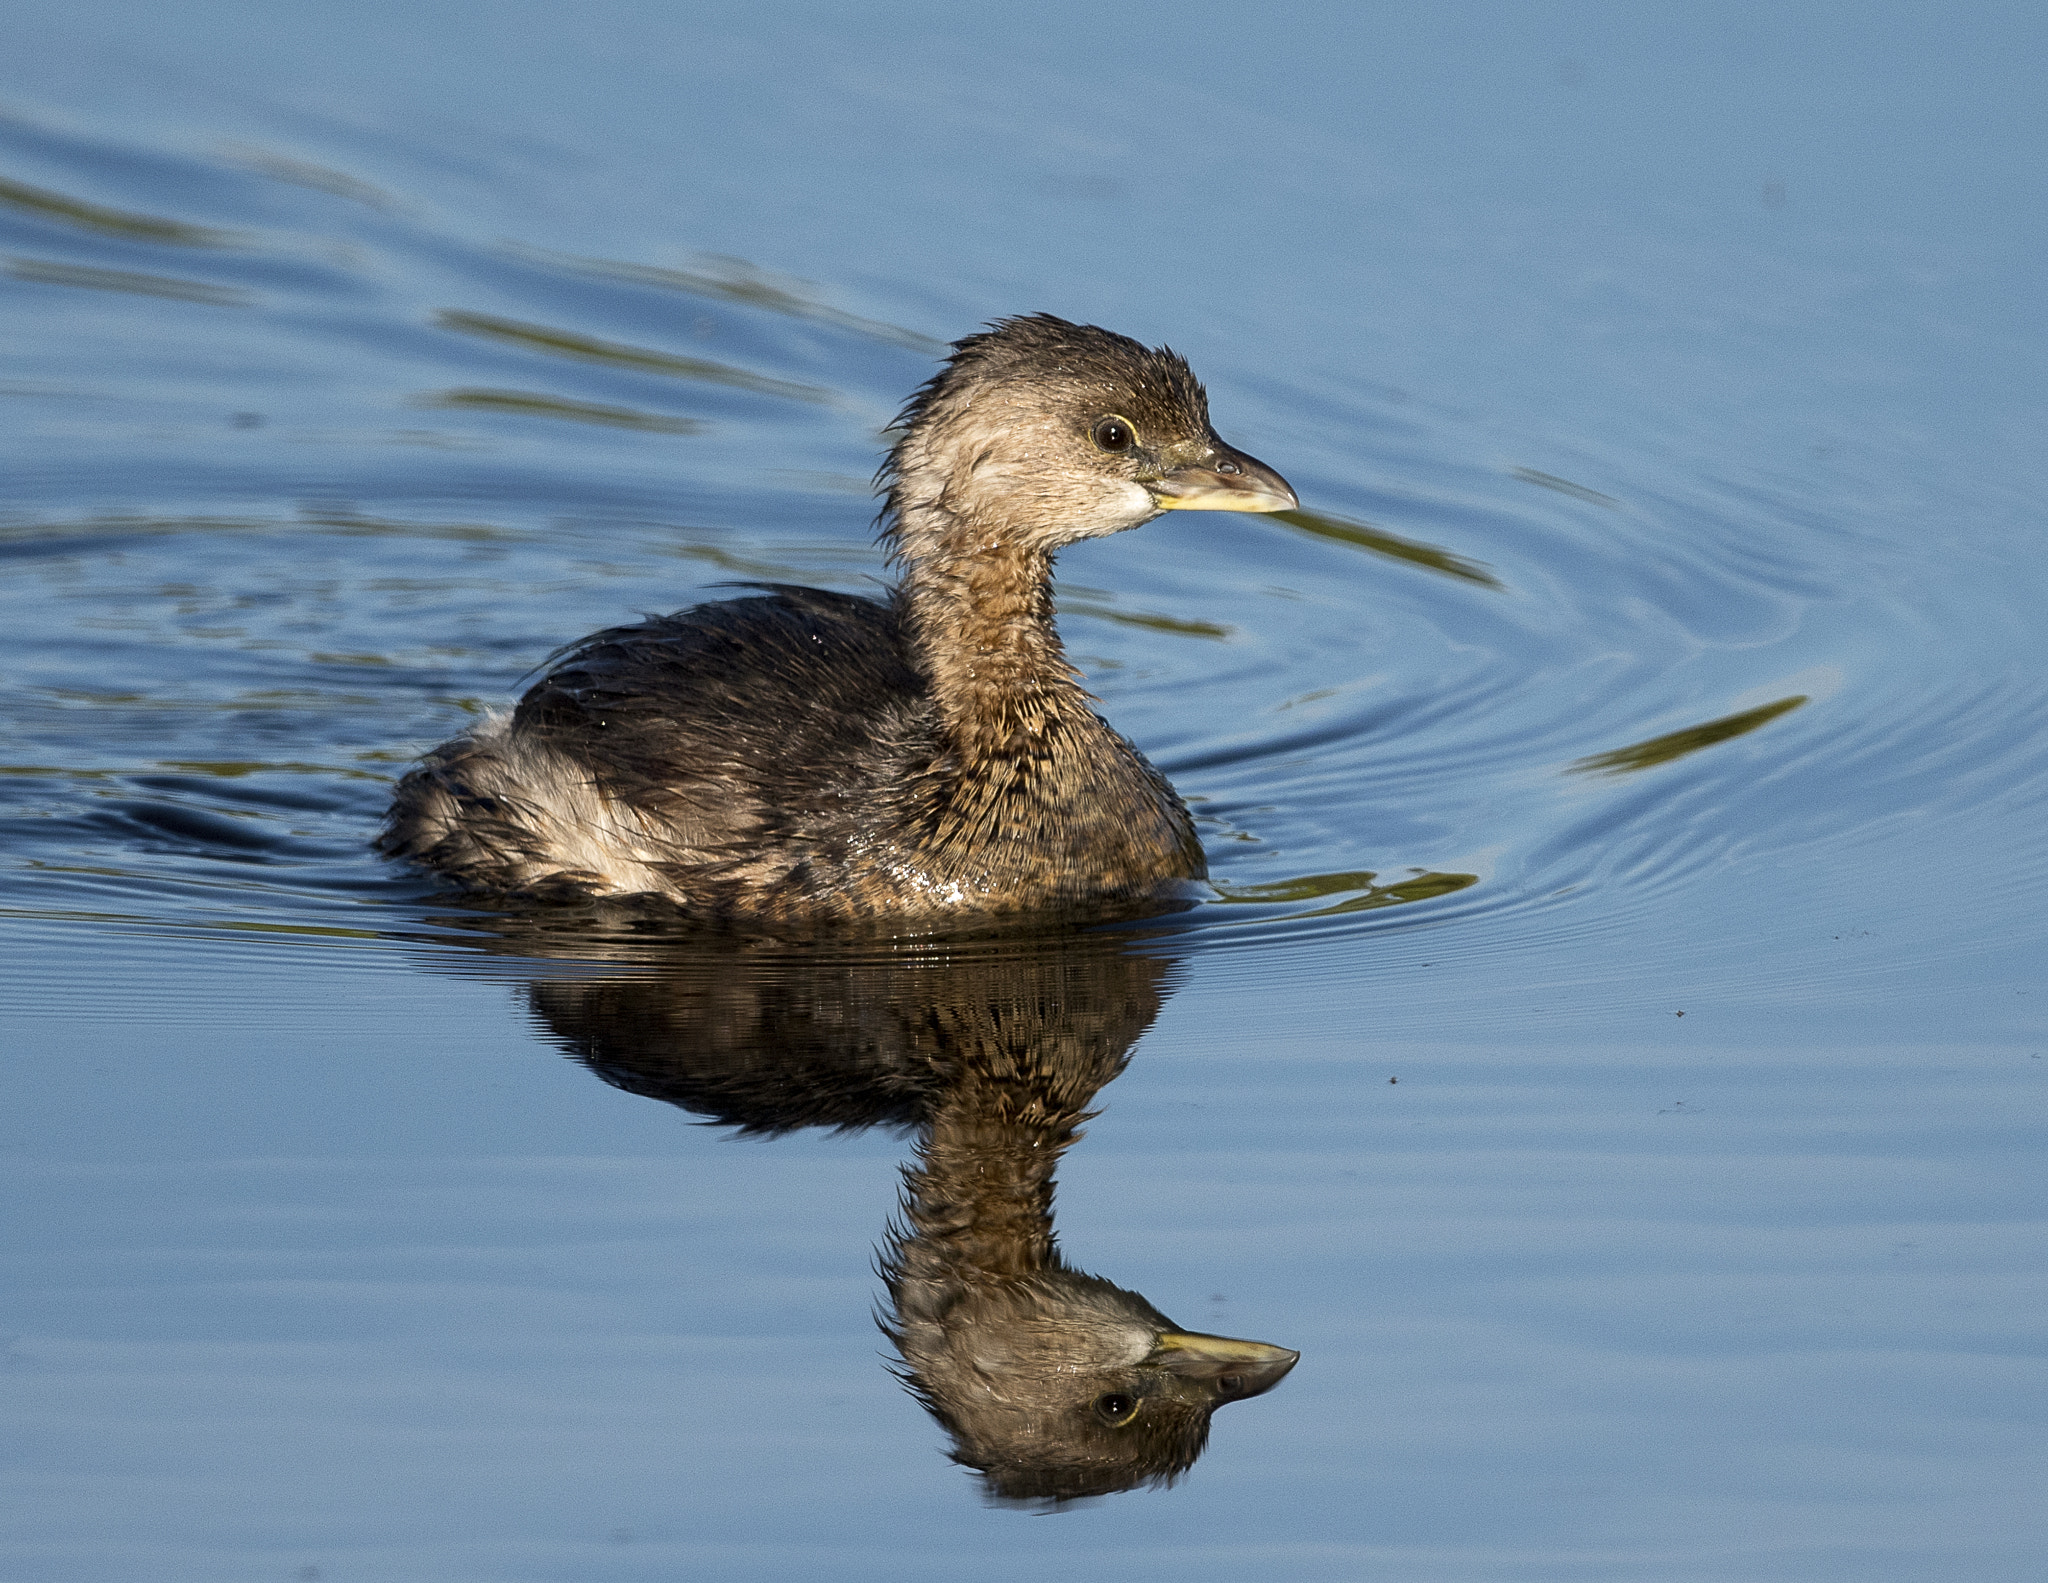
1115	434
1116	1407
1230	1384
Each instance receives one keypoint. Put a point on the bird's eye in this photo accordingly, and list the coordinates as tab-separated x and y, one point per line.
1115	434
1116	1407
1226	465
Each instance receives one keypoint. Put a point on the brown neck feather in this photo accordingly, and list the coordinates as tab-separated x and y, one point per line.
977	1206
980	1198
980	614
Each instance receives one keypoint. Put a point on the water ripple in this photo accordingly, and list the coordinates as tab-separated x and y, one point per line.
1536	711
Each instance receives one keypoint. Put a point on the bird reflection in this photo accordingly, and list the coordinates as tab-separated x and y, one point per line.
1053	1384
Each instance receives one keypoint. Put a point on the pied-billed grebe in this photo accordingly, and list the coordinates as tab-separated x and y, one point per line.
1054	1383
803	757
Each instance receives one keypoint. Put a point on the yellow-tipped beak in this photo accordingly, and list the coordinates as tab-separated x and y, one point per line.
1226	481
1238	1368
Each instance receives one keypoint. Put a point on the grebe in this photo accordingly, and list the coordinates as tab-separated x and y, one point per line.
804	757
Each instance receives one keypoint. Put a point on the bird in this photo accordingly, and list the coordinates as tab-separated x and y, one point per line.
1052	1384
796	757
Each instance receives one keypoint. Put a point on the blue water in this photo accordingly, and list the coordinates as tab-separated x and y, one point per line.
1636	1127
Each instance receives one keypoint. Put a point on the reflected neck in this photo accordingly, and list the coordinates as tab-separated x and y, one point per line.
978	1204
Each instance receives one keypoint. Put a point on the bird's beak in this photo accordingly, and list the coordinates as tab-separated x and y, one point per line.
1256	1366
1225	480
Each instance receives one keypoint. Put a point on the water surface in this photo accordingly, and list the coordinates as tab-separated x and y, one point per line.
1613	1053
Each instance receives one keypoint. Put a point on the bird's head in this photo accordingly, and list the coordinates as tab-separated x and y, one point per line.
1061	1385
1039	432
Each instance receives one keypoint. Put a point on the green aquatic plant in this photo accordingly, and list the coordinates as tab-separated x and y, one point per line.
1361	890
586	348
1361	536
113	222
45	272
531	404
1676	744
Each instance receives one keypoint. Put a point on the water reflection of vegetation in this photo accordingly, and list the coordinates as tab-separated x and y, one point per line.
728	279
566	343
336	519
1052	1383
46	273
221	770
303	173
538	406
195	927
1178	625
1358	534
257	698
1361	891
1676	744
114	222
1564	486
52	537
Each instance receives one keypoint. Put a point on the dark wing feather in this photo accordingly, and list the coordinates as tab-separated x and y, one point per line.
740	723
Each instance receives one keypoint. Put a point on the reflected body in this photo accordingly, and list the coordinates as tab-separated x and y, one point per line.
803	756
1052	1383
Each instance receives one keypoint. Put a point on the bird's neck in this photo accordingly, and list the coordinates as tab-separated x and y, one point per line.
978	607
977	1205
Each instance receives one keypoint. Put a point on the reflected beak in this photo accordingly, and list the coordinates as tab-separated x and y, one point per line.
1225	481
1254	1366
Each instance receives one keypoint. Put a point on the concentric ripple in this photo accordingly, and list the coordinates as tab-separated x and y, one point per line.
338	477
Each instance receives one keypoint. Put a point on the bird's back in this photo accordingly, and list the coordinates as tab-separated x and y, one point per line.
716	755
748	719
